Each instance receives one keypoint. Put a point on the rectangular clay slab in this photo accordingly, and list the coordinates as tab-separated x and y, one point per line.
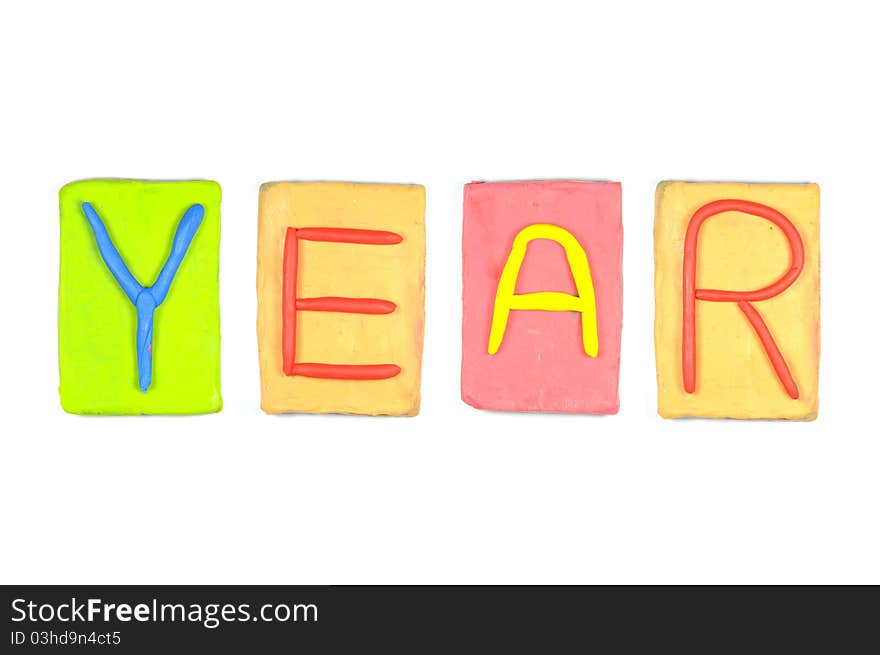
737	251
97	322
541	364
391	272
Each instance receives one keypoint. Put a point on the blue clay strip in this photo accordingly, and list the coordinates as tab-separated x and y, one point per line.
146	306
145	300
182	238
111	256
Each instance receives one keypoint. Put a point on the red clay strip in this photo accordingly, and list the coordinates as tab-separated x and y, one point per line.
347	371
771	348
347	305
289	302
346	235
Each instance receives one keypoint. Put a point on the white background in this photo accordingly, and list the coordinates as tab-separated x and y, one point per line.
441	95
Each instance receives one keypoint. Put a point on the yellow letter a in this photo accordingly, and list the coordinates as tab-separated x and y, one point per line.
506	298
